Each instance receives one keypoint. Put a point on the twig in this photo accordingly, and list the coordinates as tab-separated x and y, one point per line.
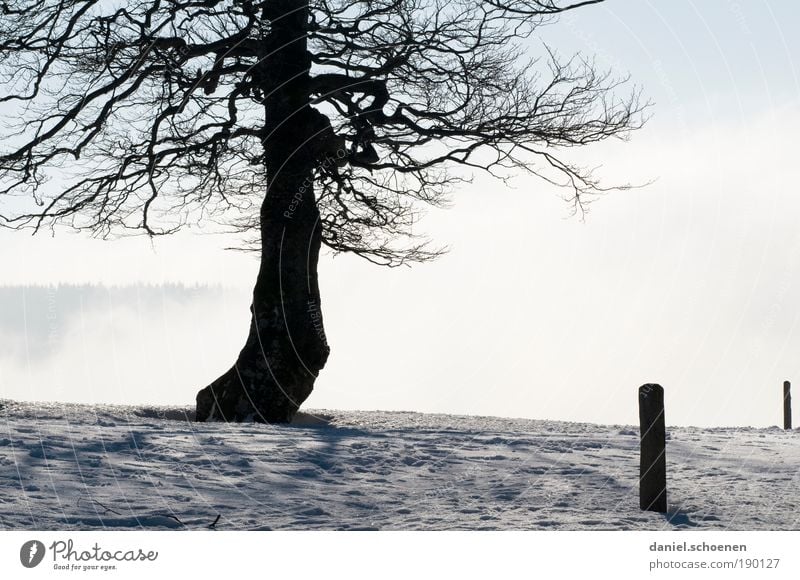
175	518
213	526
108	509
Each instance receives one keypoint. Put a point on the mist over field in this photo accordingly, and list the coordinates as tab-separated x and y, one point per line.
93	343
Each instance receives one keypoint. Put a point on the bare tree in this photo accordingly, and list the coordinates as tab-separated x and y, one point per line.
310	122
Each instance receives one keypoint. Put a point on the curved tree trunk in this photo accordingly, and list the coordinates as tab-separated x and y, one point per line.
286	346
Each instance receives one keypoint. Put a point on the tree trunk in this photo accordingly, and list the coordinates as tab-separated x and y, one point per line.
286	346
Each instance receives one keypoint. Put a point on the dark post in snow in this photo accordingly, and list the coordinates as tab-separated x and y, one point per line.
653	461
787	405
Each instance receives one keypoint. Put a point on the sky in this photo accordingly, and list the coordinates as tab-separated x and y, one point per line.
691	281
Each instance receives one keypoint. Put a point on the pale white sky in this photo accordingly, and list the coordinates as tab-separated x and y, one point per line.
691	282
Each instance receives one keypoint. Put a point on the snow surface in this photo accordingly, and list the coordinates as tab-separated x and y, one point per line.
87	467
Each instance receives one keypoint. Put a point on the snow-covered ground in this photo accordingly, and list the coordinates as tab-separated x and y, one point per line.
87	467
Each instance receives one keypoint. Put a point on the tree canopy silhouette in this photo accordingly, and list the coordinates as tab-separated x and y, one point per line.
309	122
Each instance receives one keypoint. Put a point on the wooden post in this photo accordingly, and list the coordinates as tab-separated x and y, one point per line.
787	405
653	459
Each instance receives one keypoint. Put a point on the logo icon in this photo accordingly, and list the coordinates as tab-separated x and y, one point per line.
31	553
